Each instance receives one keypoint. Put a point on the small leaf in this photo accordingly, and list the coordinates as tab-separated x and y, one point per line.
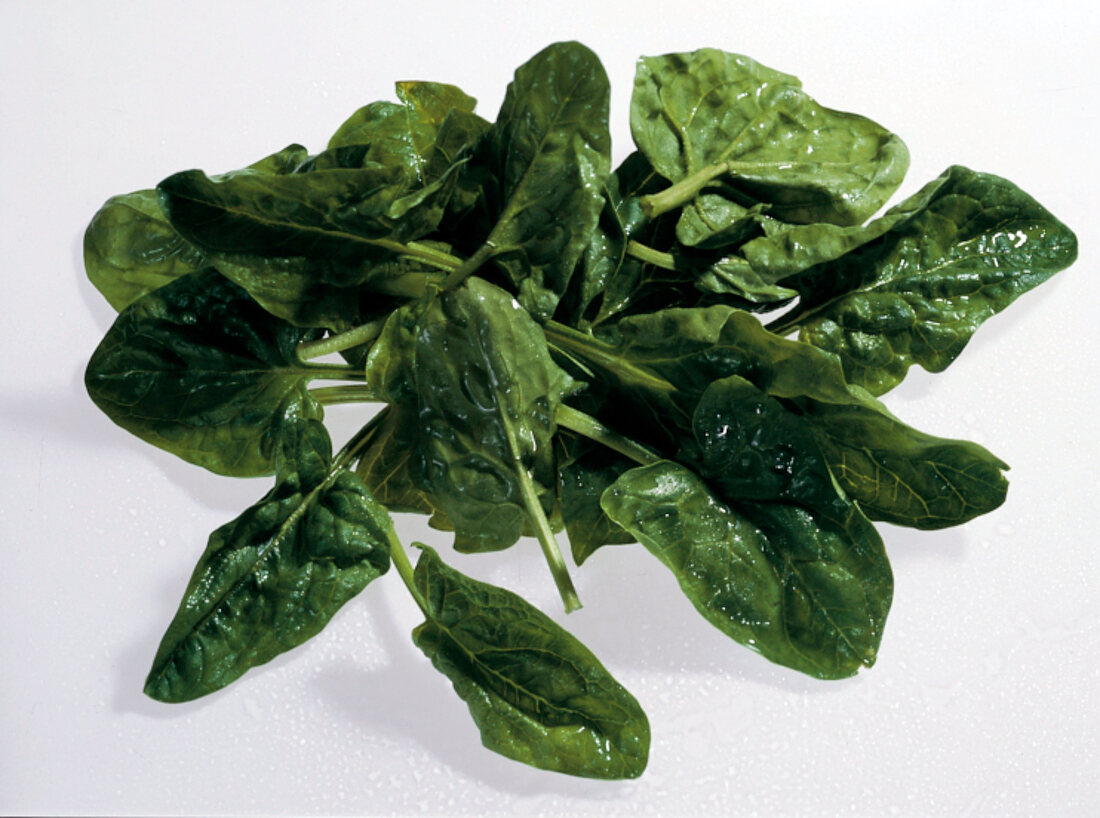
275	576
535	692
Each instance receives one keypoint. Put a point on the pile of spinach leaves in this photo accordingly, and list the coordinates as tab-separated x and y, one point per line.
684	352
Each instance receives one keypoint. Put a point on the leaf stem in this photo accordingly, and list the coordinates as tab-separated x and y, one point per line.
469	266
344	340
643	252
558	569
358	393
331	372
437	258
588	426
681	192
405	569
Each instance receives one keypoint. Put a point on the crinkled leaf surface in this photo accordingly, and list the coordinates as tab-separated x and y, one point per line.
199	369
768	575
345	215
130	249
551	154
275	576
486	391
729	118
970	244
895	472
535	692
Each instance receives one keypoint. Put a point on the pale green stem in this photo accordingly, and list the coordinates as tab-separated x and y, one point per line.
469	266
344	340
329	395
683	191
643	252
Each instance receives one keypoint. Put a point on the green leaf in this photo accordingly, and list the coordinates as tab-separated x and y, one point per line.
709	116
390	465
200	370
422	134
970	244
486	392
275	576
343	215
535	692
130	249
753	448
550	150
586	469
901	475
664	362
768	575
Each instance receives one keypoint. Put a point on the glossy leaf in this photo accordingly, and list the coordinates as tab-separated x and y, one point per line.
486	391
550	149
585	470
710	116
971	243
130	249
535	692
275	576
896	473
200	370
346	216
767	575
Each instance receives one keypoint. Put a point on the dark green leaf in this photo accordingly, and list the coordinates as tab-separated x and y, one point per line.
585	470
708	115
486	392
130	249
768	575
970	243
550	149
536	693
275	576
667	360
200	370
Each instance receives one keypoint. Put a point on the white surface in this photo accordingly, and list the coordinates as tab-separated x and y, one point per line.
984	699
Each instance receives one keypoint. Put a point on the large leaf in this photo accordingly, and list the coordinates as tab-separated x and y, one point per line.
711	117
486	392
550	152
664	362
344	215
970	244
535	692
275	576
200	370
130	249
768	575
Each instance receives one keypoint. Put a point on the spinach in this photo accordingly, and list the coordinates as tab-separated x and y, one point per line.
554	345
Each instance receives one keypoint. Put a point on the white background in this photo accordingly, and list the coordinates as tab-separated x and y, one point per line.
984	699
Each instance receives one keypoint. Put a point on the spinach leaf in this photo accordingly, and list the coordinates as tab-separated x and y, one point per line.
273	578
130	249
486	392
200	370
969	245
709	115
585	470
536	693
767	575
550	148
